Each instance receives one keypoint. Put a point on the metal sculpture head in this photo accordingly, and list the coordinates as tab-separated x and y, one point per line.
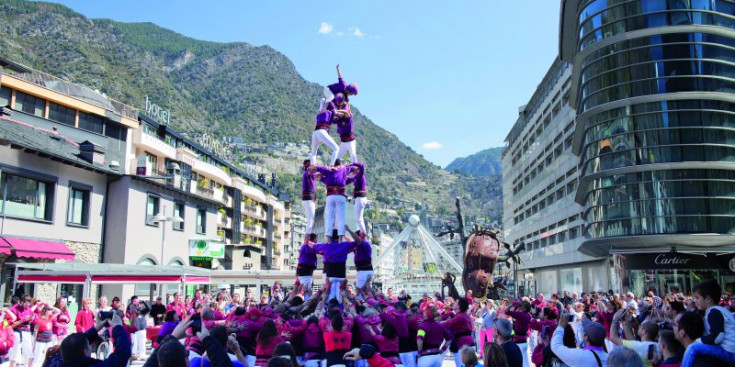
482	253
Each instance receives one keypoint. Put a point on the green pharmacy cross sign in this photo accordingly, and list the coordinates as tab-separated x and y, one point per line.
206	249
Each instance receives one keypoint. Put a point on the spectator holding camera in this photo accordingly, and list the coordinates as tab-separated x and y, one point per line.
75	350
171	353
136	313
647	347
592	355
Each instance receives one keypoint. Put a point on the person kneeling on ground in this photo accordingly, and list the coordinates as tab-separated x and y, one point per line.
75	349
171	353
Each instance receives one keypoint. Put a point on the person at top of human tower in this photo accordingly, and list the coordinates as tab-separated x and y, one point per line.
340	86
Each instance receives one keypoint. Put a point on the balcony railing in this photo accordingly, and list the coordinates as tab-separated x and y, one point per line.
206	192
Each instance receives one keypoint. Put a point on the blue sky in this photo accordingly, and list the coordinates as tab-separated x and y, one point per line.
447	77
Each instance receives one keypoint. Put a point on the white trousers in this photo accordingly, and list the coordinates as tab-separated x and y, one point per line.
319	137
39	352
313	363
364	277
309	210
350	147
334	288
334	214
433	360
408	359
360	204
21	350
306	281
139	341
524	351
328	95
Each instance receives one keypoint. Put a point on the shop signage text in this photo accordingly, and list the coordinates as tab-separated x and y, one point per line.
679	261
666	259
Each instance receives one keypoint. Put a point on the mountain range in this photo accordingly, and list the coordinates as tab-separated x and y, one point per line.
485	163
225	89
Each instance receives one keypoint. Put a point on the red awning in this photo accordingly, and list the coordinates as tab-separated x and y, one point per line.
124	279
24	247
46	278
4	248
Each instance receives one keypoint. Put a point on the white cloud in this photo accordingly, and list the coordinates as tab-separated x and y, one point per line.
325	28
357	32
432	145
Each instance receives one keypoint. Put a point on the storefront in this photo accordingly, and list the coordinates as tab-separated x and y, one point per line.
665	273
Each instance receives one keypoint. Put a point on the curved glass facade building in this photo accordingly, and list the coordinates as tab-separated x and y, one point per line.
654	90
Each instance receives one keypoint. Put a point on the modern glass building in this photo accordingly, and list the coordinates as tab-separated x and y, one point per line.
653	86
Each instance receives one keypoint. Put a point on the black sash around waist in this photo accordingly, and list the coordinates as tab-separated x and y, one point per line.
364	265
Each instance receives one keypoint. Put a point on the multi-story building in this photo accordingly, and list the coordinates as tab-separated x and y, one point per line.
60	146
653	87
539	181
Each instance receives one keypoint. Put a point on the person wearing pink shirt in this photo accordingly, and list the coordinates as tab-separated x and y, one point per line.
177	306
22	315
62	320
85	317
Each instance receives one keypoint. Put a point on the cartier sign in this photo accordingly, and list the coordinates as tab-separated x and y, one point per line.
670	260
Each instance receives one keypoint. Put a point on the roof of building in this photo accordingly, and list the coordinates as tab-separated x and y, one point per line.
206	151
47	144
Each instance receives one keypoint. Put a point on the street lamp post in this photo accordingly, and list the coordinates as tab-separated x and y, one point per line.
161	219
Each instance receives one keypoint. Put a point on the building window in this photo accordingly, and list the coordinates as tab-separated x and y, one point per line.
26	197
202	221
78	209
62	114
30	104
179	212
153	160
89	122
152	208
5	94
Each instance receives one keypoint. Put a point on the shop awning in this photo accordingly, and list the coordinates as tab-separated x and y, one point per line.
4	248
26	247
73	272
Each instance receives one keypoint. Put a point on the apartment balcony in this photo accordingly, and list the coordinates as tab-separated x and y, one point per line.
212	171
256	231
255	212
152	144
252	192
224	222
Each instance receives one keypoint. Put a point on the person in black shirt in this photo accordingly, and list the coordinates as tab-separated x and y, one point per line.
158	312
503	335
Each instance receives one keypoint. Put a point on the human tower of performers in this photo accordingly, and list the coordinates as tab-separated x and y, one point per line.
344	326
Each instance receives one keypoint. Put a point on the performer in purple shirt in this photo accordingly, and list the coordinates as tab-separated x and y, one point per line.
335	257
339	87
461	326
335	178
343	120
321	136
308	198
363	261
305	268
359	194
